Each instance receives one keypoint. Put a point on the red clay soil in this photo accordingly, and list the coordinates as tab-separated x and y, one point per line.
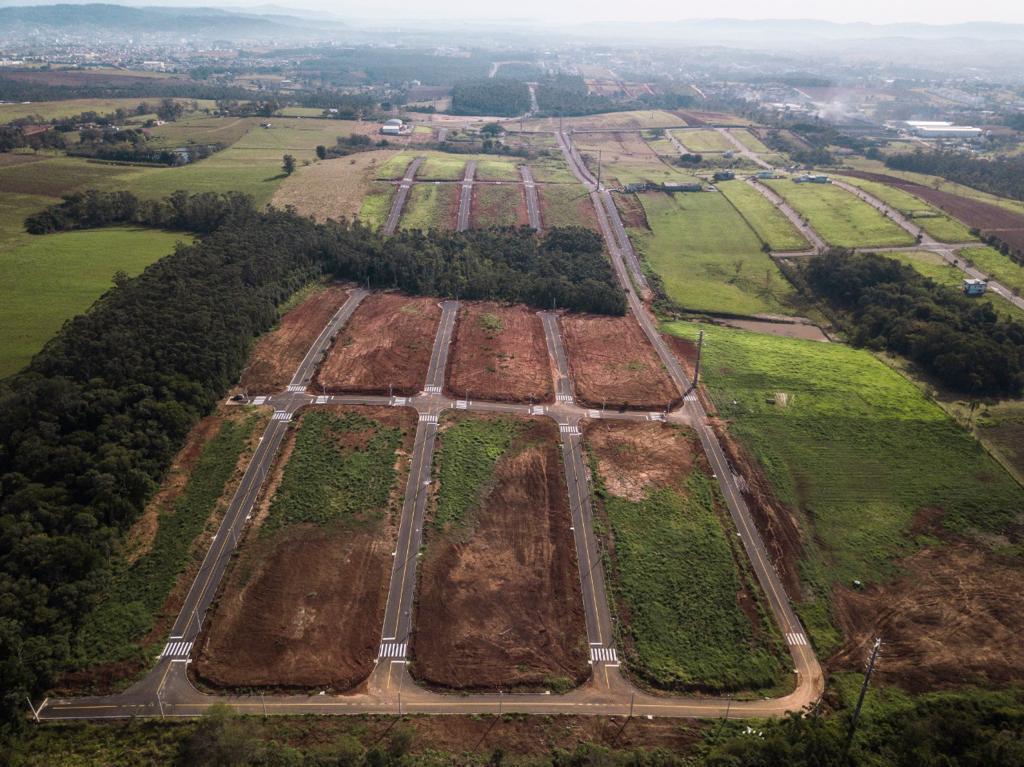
990	219
303	608
612	363
499	602
633	214
489	209
278	353
952	618
388	341
499	354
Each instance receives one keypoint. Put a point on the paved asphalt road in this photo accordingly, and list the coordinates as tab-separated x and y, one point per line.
532	202
466	196
742	149
400	196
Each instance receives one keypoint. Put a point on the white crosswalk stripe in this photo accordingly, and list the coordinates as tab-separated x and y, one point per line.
281	415
322	400
461	405
428	418
593	414
391	650
796	638
566	428
176	649
563	398
603	655
656	416
691	397
538	410
433	390
296	387
399	400
258	400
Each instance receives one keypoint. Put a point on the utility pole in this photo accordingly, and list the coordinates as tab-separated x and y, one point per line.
599	170
863	691
696	367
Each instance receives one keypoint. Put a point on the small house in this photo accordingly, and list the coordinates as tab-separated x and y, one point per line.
974	287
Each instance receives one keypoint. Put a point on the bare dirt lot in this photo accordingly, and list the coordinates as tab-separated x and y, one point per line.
613	364
388	341
952	619
499	598
332	188
277	354
633	458
989	218
499	354
302	608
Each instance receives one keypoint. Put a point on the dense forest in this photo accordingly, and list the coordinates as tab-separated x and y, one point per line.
1003	176
567	95
490	96
34	90
887	305
88	429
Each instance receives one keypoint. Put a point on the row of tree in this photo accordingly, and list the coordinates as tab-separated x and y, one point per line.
887	305
490	96
1003	175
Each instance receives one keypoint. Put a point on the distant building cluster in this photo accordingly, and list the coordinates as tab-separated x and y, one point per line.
941	129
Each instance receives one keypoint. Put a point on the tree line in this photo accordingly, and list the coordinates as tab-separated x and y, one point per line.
884	304
1003	176
490	96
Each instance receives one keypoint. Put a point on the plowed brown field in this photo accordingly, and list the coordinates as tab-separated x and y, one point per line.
388	341
613	364
499	601
303	608
277	354
499	354
1006	225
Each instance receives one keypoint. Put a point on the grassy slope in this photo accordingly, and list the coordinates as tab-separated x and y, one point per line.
49	279
857	453
936	223
429	206
136	592
695	244
764	218
840	218
686	627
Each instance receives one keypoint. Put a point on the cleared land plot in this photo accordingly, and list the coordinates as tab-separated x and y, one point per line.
431	206
277	354
303	603
707	257
394	168
499	354
689	614
442	167
637	120
1002	425
495	205
335	188
750	141
613	364
626	158
203	129
551	169
839	217
768	223
859	459
703	140
376	204
566	205
931	219
712	118
497	169
499	602
158	558
997	266
386	346
48	279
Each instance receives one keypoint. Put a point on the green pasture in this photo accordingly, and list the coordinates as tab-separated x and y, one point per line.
936	223
997	266
767	221
49	279
839	217
707	257
52	110
565	205
377	204
854	449
442	167
497	169
703	140
430	206
551	169
750	141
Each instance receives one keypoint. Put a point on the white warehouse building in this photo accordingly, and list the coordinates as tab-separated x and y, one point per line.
942	129
392	127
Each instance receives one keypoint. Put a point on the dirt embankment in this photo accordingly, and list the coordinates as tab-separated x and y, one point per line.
277	354
303	608
951	619
499	354
388	341
633	214
989	218
499	603
613	364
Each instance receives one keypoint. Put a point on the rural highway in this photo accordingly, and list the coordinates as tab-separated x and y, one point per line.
532	201
400	196
466	196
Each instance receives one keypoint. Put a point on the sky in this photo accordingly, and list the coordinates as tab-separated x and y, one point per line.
874	11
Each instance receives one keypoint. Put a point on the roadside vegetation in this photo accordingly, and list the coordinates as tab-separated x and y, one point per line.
376	204
430	206
855	451
767	221
997	266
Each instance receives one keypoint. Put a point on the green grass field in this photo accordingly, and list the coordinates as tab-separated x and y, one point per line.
750	141
707	257
48	279
496	205
764	218
442	167
839	217
936	223
997	266
626	158
565	205
703	140
377	204
341	472
497	169
50	110
135	593
470	449
674	576
551	170
430	206
856	452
